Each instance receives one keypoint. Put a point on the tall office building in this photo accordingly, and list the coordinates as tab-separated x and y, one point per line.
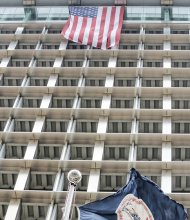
65	106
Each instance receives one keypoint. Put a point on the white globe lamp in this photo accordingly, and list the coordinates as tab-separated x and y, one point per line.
74	176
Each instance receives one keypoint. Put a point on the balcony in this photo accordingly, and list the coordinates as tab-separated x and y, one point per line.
2	124
181	127
43	63
37	81
7	102
21	125
62	81
181	153
94	82
87	126
49	46
33	211
180	64
41	180
49	151
52	125
122	103
81	152
59	102
124	82
98	63
30	102
150	153
119	126
126	63
72	63
26	46
153	63
14	151
150	127
151	103
112	182
150	82
116	152
8	179
11	81
91	102
19	62
181	183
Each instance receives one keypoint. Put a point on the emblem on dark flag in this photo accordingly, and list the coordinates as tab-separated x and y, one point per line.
132	208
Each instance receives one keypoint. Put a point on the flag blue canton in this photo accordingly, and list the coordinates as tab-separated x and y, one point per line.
89	12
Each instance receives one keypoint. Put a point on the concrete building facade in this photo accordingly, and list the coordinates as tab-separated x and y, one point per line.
65	106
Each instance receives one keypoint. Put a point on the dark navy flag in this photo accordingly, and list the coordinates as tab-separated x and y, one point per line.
140	199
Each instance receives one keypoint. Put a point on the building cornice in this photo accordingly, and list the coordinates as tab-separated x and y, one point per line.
5	3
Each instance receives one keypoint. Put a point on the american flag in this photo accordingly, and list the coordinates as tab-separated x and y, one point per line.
96	26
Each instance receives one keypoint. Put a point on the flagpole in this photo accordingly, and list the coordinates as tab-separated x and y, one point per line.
74	177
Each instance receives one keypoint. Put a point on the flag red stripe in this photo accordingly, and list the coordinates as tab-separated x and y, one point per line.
108	28
111	26
117	37
65	27
102	24
83	27
92	29
75	22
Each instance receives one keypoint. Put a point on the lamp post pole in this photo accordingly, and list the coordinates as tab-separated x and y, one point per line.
74	177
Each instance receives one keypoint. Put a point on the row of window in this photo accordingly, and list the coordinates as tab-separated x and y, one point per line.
28	211
46	181
154	31
85	152
74	46
39	211
94	63
90	126
88	81
153	46
124	30
59	102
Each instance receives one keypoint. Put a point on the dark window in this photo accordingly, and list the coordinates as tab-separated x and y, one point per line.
178	154
124	127
176	83
187	153
131	64
185	83
156	103
108	180
154	153
147	103
144	153
178	181
186	127
155	127
146	127
186	104
177	127
148	83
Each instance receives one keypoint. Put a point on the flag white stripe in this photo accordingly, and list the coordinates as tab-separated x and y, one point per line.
87	31
106	27
67	33
97	27
84	28
78	29
116	24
